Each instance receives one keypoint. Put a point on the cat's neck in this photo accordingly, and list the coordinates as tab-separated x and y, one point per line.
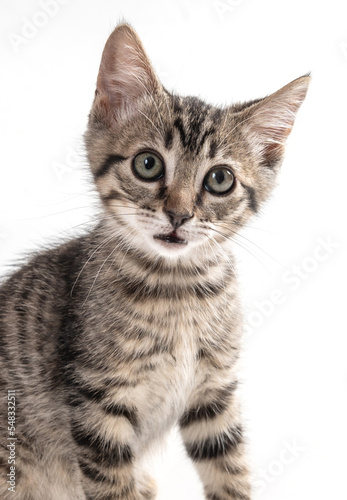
117	256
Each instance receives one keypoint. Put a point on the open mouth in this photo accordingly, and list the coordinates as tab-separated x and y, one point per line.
171	238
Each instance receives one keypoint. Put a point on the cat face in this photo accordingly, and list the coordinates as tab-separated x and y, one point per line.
177	176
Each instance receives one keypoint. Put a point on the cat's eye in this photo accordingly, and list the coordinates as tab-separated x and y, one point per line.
219	180
148	166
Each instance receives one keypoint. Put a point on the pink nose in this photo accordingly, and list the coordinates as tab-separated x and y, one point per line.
177	219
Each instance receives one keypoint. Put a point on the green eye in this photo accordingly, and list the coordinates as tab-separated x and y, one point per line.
219	180
148	166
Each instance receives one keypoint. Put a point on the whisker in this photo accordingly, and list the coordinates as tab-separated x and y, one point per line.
99	271
104	242
56	213
251	117
246	226
237	234
241	246
167	105
153	100
228	259
139	110
126	252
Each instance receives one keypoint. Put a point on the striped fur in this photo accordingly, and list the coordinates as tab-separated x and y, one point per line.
112	338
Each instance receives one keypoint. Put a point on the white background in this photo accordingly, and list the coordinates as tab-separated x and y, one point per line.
294	361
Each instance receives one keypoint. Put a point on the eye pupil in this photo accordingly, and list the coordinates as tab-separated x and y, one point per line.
149	162
219	176
219	180
148	166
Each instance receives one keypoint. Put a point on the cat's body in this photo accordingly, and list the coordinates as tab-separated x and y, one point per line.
171	347
111	339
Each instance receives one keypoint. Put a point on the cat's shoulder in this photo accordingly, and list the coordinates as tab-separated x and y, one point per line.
56	261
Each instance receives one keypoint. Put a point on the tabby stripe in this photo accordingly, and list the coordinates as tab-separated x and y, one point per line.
244	105
122	411
124	184
168	139
210	410
119	382
91	393
213	149
142	354
206	290
179	125
92	473
103	453
236	494
4	353
107	164
137	290
21	308
177	104
27	287
113	195
206	412
198	200
108	496
40	322
95	475
217	446
213	358
252	200
208	132
138	333
271	164
76	400
162	192
147	367
42	299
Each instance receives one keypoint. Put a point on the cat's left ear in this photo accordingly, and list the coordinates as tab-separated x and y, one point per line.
268	122
125	73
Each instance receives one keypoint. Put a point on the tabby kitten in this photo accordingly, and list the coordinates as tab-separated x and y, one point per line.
112	338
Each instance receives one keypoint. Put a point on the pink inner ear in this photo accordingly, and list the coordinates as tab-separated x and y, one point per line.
125	71
272	118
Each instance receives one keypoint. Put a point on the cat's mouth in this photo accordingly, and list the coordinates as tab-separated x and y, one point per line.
171	238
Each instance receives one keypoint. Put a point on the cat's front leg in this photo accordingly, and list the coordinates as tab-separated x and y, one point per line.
105	439
213	436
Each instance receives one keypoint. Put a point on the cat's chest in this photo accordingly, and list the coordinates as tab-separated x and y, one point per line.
166	377
157	344
163	389
174	368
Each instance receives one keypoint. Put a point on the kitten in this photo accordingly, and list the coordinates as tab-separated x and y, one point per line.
112	338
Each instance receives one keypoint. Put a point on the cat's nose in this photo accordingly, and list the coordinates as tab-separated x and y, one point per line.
176	218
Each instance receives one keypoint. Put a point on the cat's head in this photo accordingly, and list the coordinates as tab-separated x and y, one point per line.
176	175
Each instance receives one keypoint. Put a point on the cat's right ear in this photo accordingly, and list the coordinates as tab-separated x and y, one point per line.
269	122
125	74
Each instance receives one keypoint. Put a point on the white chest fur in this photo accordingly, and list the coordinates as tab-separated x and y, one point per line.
163	395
